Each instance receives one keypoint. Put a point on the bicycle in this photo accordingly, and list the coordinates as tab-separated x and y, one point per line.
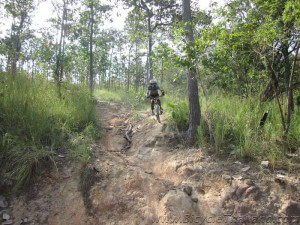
157	109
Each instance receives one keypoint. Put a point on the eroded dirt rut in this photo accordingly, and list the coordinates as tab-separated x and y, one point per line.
152	180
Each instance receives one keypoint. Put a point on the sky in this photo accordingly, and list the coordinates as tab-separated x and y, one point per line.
45	11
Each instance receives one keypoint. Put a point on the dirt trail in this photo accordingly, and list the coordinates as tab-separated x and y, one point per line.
153	181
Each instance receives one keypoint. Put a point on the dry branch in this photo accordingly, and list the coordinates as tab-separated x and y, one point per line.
128	133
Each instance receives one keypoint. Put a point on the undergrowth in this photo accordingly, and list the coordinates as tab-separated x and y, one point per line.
235	126
135	99
36	124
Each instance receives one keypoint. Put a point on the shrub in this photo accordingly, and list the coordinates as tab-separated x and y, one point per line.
35	123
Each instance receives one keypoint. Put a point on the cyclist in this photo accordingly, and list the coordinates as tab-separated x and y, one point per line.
152	92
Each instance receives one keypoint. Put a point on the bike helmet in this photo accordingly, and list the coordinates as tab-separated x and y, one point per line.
153	82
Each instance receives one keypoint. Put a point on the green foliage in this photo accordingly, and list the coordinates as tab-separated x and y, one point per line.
35	123
134	99
177	111
235	124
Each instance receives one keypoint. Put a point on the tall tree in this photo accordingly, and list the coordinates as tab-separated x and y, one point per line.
20	12
194	105
61	47
157	13
91	80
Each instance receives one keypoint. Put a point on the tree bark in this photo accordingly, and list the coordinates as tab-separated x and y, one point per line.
193	96
91	83
149	68
128	70
287	73
110	67
290	105
58	69
16	42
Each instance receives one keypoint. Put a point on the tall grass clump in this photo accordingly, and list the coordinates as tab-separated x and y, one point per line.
35	123
235	126
235	122
178	113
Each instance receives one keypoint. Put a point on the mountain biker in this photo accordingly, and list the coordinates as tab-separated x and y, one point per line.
152	92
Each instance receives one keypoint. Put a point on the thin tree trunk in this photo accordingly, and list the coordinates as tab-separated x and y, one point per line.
162	71
110	67
91	84
290	97
16	42
136	67
128	70
149	68
194	105
58	69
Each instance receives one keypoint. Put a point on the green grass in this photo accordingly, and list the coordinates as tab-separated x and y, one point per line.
35	123
134	99
235	125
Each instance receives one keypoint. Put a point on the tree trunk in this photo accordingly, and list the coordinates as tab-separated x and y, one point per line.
287	73
162	71
110	67
128	70
91	83
194	105
16	43
149	68
290	105
58	69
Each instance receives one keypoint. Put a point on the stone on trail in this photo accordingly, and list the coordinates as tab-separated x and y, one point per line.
195	200
148	172
237	177
265	164
188	190
246	169
7	222
226	177
280	179
3	202
177	203
5	216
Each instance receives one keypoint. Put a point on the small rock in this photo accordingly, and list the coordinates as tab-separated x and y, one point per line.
291	155
3	202
226	177
250	190
195	199
249	182
5	216
238	163
282	172
177	165
280	179
148	172
265	164
188	190
241	190
245	169
200	190
237	177
7	222
280	176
